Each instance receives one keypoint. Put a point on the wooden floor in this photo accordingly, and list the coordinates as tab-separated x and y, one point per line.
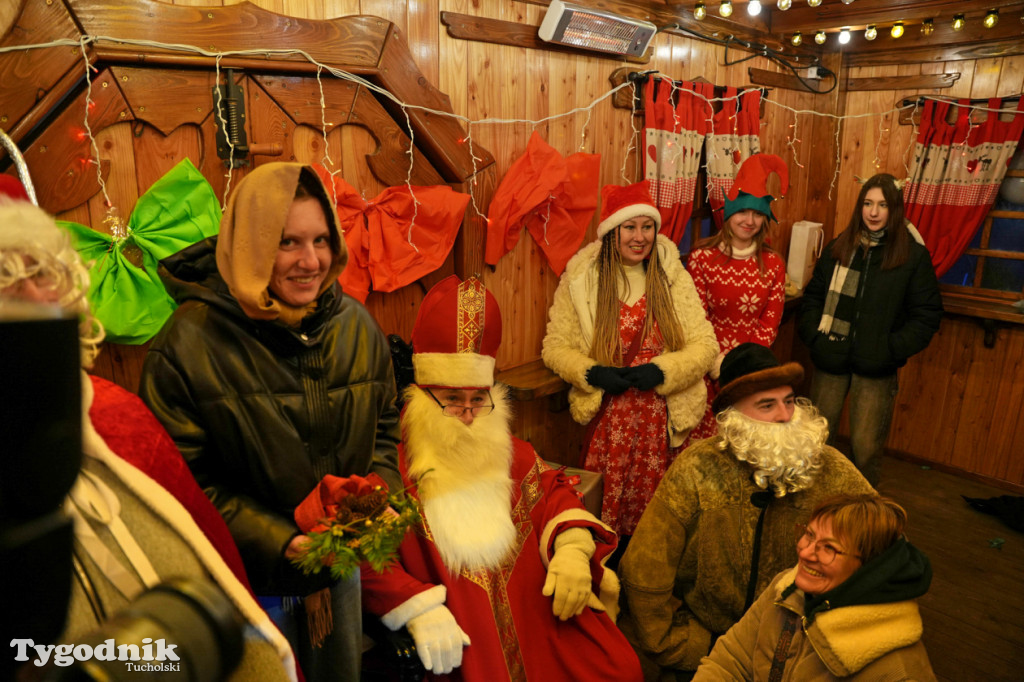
974	613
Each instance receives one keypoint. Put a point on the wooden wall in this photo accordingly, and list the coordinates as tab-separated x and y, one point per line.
960	404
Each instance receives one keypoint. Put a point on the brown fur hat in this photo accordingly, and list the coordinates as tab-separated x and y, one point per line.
749	368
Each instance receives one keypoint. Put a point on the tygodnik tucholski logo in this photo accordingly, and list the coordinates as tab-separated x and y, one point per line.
162	660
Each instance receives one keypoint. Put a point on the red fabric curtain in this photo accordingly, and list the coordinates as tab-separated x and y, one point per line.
734	136
956	173
673	136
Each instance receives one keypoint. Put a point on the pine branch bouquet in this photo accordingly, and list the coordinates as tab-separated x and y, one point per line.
352	520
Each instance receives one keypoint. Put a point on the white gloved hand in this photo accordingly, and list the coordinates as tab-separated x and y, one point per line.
569	578
439	639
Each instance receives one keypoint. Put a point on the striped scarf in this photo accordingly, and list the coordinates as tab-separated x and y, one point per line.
841	299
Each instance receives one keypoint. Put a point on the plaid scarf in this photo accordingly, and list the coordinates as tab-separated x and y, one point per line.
841	299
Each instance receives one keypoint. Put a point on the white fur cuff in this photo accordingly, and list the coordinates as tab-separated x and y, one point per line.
397	617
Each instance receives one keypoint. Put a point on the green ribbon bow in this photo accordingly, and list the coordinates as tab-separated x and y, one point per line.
179	210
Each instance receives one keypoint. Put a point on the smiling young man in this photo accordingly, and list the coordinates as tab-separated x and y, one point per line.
720	525
268	377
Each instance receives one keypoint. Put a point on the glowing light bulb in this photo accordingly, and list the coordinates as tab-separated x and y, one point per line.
844	36
725	9
819	37
813	3
754	8
958	22
700	11
797	38
897	29
784	4
927	26
870	33
847	2
991	18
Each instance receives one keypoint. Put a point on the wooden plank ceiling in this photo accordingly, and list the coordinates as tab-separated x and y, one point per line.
774	27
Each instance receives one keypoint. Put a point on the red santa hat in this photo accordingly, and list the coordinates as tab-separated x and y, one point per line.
11	187
619	204
456	335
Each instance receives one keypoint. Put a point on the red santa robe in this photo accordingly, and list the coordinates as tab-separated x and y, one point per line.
515	635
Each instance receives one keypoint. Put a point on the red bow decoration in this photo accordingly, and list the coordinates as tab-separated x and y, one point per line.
554	198
334	495
396	238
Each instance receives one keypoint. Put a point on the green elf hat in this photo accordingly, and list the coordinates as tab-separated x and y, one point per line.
749	189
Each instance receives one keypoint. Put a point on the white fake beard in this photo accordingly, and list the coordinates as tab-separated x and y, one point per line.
463	477
786	457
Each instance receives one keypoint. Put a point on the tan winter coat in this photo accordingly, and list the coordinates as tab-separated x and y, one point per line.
684	577
570	333
868	643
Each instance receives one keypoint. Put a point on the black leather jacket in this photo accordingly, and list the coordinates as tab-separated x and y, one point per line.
897	313
262	411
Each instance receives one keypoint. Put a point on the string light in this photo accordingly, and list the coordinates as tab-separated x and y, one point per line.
991	18
754	8
700	11
819	37
844	36
797	38
847	2
871	32
813	3
786	4
958	22
725	9
927	26
897	29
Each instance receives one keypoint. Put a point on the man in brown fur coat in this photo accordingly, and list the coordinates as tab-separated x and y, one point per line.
720	526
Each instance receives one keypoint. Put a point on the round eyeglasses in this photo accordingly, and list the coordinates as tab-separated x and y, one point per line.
826	552
454	409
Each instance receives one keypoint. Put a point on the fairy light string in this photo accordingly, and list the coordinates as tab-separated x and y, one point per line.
85	40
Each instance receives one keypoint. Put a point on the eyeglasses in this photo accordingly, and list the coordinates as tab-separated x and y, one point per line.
453	409
826	552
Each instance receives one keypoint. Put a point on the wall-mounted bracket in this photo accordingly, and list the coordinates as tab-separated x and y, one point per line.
229	113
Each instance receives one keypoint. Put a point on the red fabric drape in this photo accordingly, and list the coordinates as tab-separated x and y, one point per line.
734	136
396	238
956	173
673	136
554	198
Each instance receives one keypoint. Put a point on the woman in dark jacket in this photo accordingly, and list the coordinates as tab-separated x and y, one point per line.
268	377
872	303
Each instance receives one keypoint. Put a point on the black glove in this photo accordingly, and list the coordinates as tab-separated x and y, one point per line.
611	380
645	377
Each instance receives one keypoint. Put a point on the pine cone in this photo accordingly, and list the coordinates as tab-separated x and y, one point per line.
344	514
367	504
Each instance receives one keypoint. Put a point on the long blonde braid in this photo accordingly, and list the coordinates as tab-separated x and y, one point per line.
607	346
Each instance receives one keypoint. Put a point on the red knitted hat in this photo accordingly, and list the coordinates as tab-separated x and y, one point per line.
456	335
619	204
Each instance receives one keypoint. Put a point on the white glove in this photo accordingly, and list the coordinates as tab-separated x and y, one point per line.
439	639
569	578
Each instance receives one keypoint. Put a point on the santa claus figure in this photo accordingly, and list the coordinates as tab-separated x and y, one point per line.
505	578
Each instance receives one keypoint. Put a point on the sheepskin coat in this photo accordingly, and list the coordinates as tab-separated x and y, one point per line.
570	333
867	642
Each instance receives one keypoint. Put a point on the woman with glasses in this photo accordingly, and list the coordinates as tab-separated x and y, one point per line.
627	331
846	610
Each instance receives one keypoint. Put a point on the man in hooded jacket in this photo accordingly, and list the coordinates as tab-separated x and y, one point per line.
268	378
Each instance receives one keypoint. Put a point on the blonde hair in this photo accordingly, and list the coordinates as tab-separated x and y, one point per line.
607	346
867	524
32	246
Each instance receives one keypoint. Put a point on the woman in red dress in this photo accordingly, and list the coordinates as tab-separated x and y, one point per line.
741	282
628	332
